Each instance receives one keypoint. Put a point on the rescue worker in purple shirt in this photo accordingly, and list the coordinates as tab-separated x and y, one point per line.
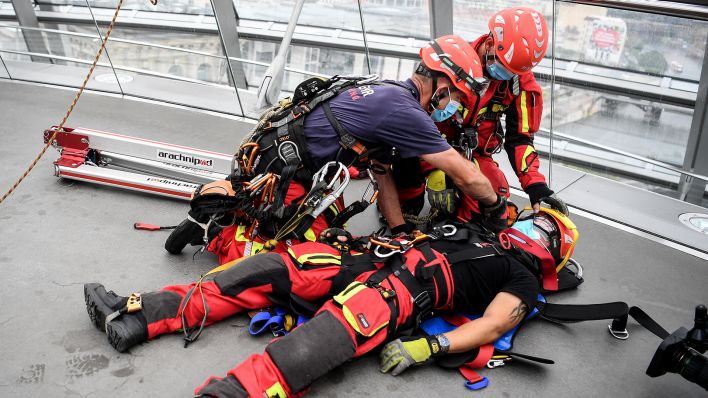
449	75
394	114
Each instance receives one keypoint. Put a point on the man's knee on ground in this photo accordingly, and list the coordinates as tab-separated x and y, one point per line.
312	350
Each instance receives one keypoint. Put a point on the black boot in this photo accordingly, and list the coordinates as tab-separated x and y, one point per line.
125	331
100	304
187	232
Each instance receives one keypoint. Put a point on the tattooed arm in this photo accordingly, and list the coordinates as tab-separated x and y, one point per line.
502	314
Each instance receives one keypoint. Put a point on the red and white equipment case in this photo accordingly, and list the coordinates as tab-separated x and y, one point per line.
135	163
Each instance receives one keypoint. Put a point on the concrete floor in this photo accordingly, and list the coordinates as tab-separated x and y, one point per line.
57	235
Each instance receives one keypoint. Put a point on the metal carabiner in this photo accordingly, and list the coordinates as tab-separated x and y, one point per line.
448	229
495	363
385	255
336	186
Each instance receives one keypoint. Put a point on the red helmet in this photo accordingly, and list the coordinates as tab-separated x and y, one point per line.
520	38
458	60
548	235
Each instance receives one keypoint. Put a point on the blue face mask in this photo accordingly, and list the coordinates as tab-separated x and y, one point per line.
496	70
526	228
440	115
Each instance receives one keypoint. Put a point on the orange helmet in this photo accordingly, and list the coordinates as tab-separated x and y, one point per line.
549	236
520	38
458	60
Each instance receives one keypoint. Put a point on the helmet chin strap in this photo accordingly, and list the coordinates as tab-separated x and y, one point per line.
434	101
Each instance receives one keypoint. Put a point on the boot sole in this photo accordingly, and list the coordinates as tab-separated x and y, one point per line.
95	307
127	332
115	330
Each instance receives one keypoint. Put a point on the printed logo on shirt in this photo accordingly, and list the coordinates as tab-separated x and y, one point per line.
358	93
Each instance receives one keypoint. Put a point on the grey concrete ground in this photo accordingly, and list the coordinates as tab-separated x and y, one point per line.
57	235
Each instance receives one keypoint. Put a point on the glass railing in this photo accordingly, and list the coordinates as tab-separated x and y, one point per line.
622	103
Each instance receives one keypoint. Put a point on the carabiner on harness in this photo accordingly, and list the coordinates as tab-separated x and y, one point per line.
330	190
373	187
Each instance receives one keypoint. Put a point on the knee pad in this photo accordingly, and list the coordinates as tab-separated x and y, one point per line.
312	350
258	270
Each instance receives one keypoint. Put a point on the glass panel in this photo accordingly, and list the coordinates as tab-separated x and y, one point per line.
65	62
407	18
322	61
644	49
6	8
629	40
471	17
191	7
3	70
186	68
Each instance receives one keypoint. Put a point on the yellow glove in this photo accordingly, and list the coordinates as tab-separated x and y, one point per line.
441	192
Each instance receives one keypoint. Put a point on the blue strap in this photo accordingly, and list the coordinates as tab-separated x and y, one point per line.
273	321
478	385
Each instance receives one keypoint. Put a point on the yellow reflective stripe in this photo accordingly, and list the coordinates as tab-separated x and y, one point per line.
351	319
334	208
319	258
252	247
240	235
524	114
529	150
310	235
223	267
316	258
349	292
481	111
276	391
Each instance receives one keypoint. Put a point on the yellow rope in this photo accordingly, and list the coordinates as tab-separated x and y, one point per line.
71	107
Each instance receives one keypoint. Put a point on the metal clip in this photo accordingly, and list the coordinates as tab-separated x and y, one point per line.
378	253
334	188
618	334
448	230
135	303
495	363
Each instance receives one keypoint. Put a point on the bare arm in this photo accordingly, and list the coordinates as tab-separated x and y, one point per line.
388	197
502	314
464	174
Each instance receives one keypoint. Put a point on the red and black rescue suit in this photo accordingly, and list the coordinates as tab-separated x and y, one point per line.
373	301
520	101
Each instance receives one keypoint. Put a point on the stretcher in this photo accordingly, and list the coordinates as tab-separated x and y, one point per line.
134	163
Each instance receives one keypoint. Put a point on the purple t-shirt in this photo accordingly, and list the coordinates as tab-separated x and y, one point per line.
380	115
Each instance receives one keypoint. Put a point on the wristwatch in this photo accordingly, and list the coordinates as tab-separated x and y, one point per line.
444	343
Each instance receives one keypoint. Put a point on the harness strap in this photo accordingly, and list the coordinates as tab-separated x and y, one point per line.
475	252
346	140
650	324
582	312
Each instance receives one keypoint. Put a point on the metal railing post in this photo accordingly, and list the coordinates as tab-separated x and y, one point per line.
696	157
27	17
440	12
269	90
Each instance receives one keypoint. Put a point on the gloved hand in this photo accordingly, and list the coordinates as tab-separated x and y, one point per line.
494	216
441	194
335	235
402	353
541	193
